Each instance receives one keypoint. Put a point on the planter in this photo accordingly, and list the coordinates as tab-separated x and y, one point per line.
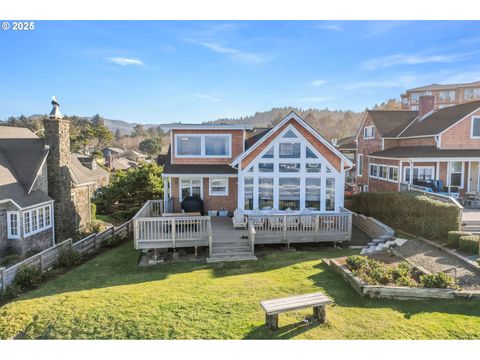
212	212
223	213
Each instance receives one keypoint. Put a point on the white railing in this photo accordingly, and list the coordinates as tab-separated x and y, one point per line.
251	236
308	227
428	192
154	208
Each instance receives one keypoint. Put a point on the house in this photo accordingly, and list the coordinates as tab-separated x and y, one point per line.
26	209
444	95
348	147
289	167
118	159
436	148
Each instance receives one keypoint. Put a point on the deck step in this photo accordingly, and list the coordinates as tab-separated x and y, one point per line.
237	257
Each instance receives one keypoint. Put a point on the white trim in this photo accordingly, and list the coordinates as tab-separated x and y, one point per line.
388	173
200	175
9	228
189	178
47	209
167	127
358	162
373	132
225	193
471	127
370	171
462	177
38	172
203	147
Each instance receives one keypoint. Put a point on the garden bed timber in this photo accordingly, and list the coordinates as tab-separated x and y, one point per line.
395	292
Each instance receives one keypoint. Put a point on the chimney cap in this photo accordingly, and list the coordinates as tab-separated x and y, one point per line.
55	113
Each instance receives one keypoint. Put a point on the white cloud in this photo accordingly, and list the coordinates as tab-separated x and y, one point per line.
208	98
124	61
234	53
318	82
401	59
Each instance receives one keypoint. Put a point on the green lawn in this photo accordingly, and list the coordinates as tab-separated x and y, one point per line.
110	297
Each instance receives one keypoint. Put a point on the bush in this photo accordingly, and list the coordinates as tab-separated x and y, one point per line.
111	242
439	280
356	262
402	275
69	258
11	292
454	236
411	212
27	277
469	244
93	211
10	260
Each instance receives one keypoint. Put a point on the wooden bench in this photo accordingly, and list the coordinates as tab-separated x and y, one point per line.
277	306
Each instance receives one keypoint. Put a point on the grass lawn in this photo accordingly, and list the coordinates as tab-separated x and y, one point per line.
110	297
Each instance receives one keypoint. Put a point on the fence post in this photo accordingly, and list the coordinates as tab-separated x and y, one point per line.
349	226
95	241
2	279
41	262
317	227
174	231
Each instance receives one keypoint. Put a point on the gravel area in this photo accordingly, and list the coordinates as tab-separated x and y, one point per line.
436	260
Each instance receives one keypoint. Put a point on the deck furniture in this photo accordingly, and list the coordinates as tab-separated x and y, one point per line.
273	307
239	220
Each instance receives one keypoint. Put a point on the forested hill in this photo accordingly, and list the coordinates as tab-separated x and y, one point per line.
332	124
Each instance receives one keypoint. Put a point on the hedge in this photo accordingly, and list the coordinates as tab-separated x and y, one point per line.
469	244
454	236
417	214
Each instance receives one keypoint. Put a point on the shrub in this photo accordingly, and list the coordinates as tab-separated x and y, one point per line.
68	258
111	242
469	244
401	274
356	262
439	280
411	212
27	277
378	273
11	292
454	236
10	260
93	210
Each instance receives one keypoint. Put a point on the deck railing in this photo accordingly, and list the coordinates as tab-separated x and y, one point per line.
335	226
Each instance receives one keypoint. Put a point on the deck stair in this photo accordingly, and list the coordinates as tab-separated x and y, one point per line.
231	251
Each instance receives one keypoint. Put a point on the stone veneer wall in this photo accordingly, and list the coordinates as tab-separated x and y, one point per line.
82	196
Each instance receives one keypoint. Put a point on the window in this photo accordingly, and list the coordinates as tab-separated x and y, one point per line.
190	187
248	191
203	145
217	145
219	187
26	222
265	167
360	165
475	127
313	168
382	172
312	194
373	170
189	145
393	173
423	173
310	154
330	195
368	132
456	174
416	95
47	215
269	154
414	107
471	93
36	220
289	150
265	193
41	218
290	134
287	167
289	194
406	177
13	224
448	95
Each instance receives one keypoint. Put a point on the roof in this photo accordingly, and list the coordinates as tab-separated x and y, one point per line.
137	153
12	132
440	120
82	174
347	143
390	123
445	86
255	136
122	164
115	149
204	169
167	127
405	152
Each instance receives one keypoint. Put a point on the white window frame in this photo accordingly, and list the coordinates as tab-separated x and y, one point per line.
9	225
471	127
203	148
462	177
180	197
365	132
213	193
398	174
370	171
360	161
386	172
47	209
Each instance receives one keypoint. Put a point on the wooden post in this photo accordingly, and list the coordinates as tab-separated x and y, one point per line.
2	280
210	245
41	262
317	227
174	231
284	228
95	241
272	321
320	313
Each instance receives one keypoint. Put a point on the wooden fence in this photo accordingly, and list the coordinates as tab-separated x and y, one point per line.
48	258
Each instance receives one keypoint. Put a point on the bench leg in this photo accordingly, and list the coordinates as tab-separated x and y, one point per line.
320	314
272	321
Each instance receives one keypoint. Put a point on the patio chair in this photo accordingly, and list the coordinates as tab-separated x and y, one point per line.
239	220
256	218
275	222
307	221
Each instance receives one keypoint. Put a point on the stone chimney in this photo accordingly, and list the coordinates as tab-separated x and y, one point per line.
426	104
57	137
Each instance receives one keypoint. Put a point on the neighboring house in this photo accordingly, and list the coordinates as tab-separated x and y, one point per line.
118	159
72	178
445	95
348	147
438	149
287	167
26	210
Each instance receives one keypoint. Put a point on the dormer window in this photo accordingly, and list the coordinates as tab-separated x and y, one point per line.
208	145
475	127
368	132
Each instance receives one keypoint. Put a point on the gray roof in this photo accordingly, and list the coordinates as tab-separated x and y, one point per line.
390	123
445	86
347	143
254	136
440	120
405	152
82	174
13	132
204	169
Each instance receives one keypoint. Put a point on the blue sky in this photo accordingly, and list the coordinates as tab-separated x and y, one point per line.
164	71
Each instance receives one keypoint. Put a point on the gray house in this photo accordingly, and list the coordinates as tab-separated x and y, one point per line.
26	210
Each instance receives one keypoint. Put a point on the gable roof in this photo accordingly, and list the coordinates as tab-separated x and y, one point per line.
13	132
256	135
347	143
444	86
390	123
440	120
81	174
299	120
